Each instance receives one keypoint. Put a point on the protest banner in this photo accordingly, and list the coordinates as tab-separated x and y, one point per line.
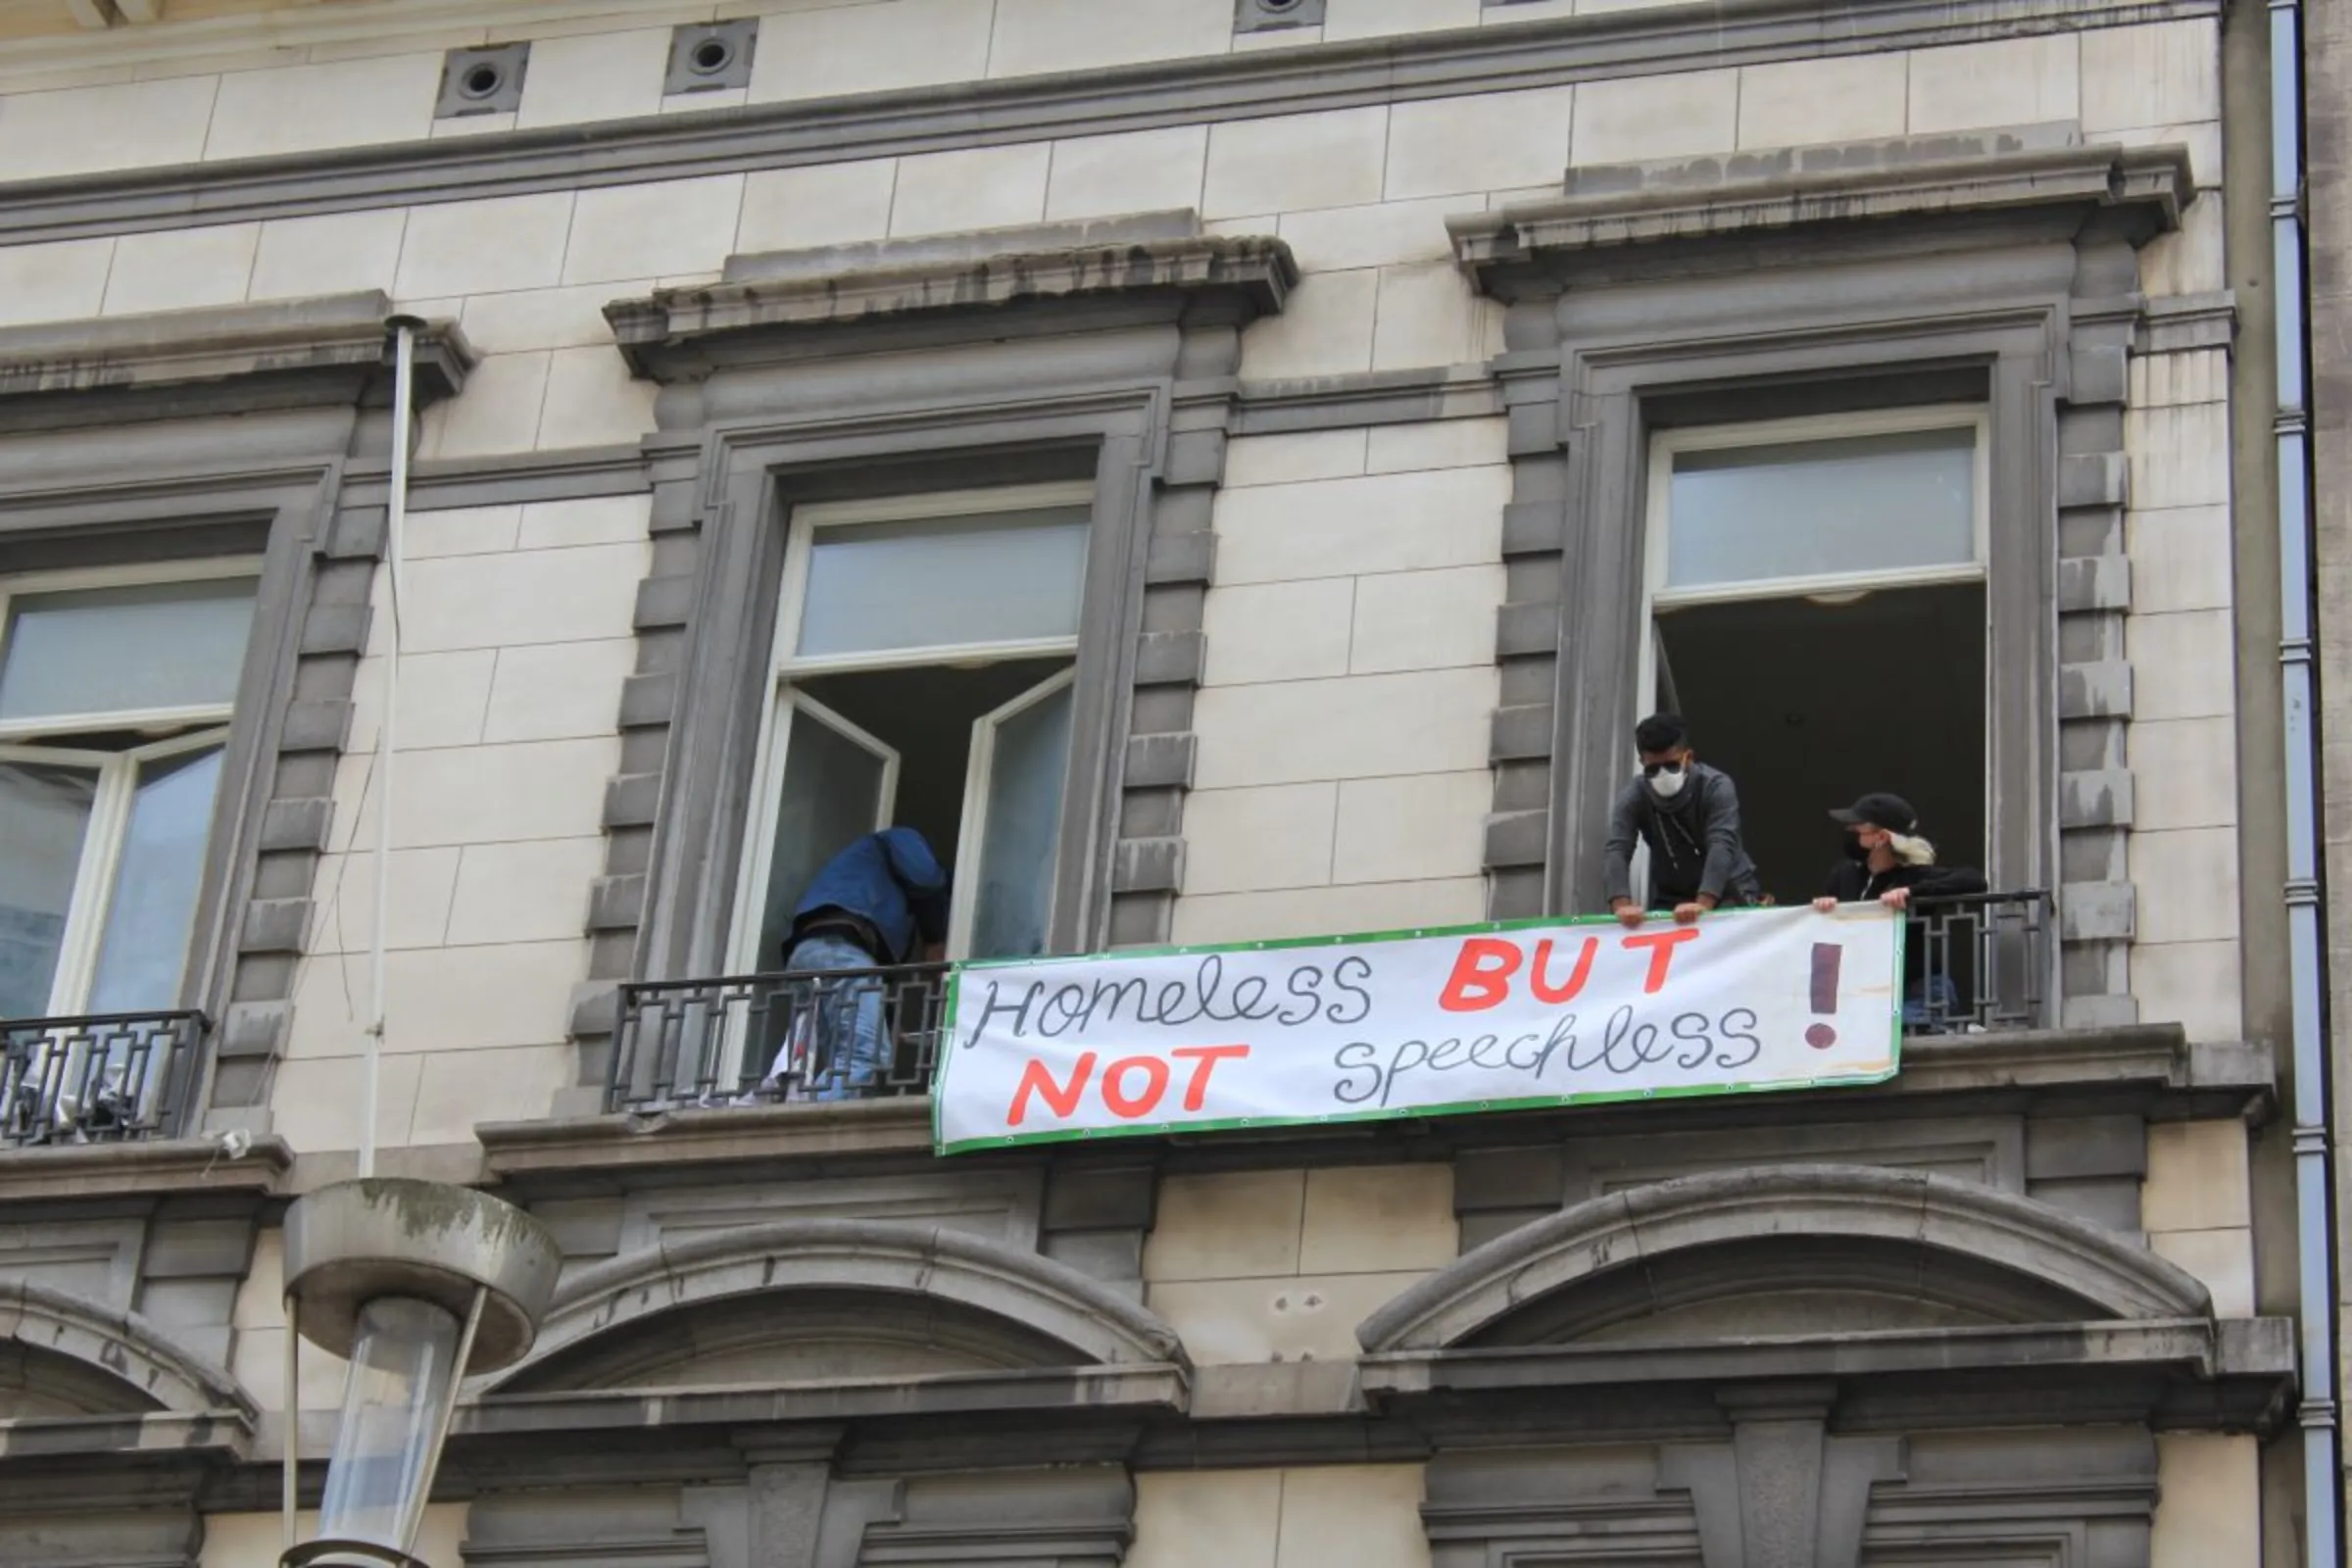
1422	1023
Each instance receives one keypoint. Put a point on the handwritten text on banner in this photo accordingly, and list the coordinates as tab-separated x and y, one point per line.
1481	1019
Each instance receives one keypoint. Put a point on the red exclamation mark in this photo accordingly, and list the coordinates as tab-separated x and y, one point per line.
1826	955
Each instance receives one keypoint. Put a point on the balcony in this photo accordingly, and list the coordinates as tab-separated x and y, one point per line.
703	1043
111	1078
1980	965
1978	962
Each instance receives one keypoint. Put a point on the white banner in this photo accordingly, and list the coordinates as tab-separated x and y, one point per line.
1417	1024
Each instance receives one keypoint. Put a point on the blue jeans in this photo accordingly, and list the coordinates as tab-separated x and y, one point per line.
848	1053
1938	1000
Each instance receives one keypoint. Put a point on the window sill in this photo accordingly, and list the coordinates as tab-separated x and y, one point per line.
175	1165
2150	1070
896	1126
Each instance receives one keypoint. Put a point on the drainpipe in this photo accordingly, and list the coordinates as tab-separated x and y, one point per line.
2306	950
404	367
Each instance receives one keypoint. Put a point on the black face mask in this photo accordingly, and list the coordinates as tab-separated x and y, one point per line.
1854	850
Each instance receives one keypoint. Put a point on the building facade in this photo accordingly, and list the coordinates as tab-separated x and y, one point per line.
1227	470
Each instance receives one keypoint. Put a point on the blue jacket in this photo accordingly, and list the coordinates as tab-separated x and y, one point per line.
893	882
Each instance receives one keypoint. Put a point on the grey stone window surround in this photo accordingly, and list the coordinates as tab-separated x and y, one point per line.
1106	350
2009	256
243	430
1245	85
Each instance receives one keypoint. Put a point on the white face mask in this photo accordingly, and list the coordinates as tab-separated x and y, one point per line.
1666	783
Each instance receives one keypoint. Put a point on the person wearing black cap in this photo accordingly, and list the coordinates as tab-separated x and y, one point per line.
1689	814
1887	860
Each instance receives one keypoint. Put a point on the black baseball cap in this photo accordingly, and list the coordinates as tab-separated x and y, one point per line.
1889	811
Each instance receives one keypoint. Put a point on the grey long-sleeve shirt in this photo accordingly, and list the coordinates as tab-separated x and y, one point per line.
1693	839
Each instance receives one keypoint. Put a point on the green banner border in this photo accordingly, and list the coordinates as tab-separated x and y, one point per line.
1462	1108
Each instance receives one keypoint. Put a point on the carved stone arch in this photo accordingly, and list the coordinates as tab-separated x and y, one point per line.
60	1354
1834	1240
953	1301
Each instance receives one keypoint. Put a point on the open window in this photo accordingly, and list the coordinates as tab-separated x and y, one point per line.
115	694
923	677
1817	611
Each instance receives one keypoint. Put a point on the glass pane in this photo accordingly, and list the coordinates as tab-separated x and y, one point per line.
832	792
939	582
44	815
1805	509
400	1366
1015	897
115	650
146	941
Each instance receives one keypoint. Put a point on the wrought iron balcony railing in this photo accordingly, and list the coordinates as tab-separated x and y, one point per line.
838	1034
110	1078
1978	962
1974	963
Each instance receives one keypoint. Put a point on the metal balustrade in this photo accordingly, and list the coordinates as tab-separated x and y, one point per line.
773	1038
1978	962
105	1078
1975	963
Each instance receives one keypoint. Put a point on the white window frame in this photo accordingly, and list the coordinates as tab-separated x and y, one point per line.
1657	516
963	901
1657	519
197	726
786	665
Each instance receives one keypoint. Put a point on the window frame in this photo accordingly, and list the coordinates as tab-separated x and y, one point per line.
197	726
1657	508
802	525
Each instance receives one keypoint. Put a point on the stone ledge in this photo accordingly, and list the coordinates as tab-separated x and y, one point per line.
1706	200
1099	1390
665	333
340	336
165	1167
2151	1070
2192	1373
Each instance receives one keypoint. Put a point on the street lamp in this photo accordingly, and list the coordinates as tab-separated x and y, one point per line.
418	1285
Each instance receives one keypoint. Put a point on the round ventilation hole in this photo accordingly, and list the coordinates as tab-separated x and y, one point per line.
481	81
710	57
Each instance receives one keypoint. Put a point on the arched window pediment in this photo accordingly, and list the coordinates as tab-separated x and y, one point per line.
830	1301
1794	1249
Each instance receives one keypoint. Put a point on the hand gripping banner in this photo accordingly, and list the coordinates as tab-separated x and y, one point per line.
1421	1023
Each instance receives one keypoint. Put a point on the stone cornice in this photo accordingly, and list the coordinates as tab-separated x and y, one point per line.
229	355
670	332
1502	58
1705	201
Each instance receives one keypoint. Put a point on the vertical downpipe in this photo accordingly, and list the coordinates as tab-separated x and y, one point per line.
2306	952
403	366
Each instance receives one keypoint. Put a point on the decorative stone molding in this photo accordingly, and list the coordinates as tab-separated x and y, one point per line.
1102	350
152	1372
1737	196
660	336
1247	84
2053	1254
919	1264
2003	259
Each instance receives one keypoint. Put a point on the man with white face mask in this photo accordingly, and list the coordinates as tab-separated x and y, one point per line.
1689	814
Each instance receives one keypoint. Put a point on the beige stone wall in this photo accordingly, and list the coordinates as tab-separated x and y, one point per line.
2210	1511
2194	1205
1343	780
1364	1516
1282	1266
516	637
